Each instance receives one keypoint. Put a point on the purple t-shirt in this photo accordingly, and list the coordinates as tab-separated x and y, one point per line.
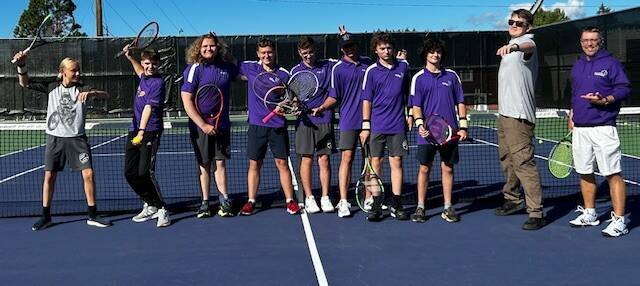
322	70
603	74
151	91
220	74
437	94
346	87
257	109
387	90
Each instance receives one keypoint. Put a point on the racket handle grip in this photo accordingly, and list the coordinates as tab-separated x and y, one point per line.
13	61
268	117
119	54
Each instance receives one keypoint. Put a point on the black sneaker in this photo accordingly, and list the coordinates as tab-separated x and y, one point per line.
450	215
419	215
225	209
534	223
509	208
42	223
375	214
204	210
98	222
398	212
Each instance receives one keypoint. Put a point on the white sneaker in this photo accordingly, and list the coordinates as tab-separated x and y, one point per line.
344	208
310	205
146	213
616	228
584	219
325	204
163	218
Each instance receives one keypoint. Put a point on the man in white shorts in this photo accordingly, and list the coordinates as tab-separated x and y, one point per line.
599	86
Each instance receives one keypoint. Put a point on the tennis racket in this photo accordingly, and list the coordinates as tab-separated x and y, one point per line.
145	38
55	27
561	158
369	182
272	90
209	102
536	5
301	88
440	132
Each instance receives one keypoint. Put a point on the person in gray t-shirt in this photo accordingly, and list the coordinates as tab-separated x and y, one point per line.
516	100
66	138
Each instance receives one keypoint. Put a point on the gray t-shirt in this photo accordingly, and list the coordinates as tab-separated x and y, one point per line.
516	82
65	113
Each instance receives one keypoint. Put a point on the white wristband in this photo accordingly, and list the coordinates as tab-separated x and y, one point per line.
22	70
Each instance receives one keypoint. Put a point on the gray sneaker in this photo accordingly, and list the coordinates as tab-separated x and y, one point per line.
450	215
146	213
163	218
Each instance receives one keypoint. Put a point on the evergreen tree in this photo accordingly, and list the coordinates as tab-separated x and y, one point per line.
36	12
544	17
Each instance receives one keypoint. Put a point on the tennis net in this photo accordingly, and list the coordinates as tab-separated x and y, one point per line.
478	175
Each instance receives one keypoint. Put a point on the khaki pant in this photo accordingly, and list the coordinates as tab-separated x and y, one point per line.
518	163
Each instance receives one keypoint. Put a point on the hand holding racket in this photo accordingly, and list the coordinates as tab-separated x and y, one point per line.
561	158
369	183
145	38
55	27
209	103
301	88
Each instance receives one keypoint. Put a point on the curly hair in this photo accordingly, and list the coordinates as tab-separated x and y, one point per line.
433	45
381	38
193	52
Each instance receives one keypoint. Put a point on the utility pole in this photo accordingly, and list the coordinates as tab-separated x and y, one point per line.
99	18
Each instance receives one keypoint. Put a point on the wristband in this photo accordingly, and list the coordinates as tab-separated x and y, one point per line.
517	48
464	124
419	122
22	70
366	124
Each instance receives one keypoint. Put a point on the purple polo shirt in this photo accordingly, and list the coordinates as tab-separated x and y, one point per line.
220	74
322	70
151	91
346	87
387	90
437	94
604	74
257	109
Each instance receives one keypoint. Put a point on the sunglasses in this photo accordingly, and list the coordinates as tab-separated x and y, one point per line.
519	24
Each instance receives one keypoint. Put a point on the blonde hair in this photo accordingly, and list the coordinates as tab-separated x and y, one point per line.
65	64
193	52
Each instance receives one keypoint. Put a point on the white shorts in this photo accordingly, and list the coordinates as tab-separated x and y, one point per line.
600	143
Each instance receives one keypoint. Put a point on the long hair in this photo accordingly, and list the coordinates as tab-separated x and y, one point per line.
193	52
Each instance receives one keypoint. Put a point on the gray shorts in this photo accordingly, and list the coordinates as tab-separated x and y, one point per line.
72	150
395	143
208	147
318	139
349	139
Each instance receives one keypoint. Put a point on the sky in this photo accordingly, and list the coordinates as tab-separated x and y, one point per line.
263	17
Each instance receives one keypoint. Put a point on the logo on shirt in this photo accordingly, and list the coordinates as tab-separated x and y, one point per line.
83	157
602	73
140	92
399	75
320	72
446	83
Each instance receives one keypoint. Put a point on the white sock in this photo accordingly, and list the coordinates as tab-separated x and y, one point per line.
591	211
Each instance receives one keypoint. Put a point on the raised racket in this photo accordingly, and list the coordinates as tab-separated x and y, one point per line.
209	102
560	161
145	38
55	27
369	183
536	5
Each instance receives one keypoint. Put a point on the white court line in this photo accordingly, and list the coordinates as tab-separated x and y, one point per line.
42	166
22	150
547	159
308	232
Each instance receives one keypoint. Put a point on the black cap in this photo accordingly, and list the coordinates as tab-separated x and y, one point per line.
346	39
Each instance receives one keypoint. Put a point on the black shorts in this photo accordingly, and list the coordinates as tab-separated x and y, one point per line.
210	147
72	150
448	153
349	139
260	137
318	139
395	143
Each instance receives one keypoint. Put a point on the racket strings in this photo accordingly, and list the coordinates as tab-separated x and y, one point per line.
303	85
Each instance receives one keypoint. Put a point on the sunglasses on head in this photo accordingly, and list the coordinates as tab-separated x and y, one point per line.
519	24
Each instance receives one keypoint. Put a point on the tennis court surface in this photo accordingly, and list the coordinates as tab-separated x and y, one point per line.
274	248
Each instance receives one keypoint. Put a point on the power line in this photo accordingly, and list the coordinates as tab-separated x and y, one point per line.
140	10
121	18
352	3
185	17
166	16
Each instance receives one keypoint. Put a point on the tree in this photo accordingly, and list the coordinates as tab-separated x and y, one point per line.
36	11
603	9
544	17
